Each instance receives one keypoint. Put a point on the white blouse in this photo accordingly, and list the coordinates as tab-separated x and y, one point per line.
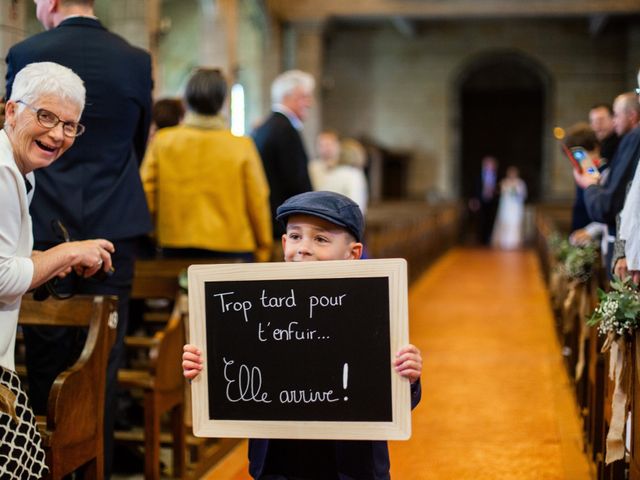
16	244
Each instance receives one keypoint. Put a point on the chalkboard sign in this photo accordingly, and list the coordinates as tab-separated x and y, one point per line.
300	350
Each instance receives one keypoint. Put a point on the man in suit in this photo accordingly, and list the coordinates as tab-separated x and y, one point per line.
94	189
279	142
601	122
605	201
485	203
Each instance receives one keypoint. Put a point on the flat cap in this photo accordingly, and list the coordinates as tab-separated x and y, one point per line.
330	206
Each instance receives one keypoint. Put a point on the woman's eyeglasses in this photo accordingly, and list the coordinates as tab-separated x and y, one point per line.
49	119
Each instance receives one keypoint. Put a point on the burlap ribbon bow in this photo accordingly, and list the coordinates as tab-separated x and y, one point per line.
620	374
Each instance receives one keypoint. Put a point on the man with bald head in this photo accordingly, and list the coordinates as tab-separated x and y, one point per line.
604	202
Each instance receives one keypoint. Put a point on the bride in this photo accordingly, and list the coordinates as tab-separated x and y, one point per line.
507	231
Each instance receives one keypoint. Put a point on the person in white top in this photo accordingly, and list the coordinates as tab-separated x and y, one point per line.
328	155
347	176
41	124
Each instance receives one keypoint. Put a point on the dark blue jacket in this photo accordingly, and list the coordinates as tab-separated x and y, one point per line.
604	202
285	162
95	187
355	460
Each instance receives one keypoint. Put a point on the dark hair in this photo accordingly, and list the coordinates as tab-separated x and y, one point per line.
606	106
581	135
206	91
167	112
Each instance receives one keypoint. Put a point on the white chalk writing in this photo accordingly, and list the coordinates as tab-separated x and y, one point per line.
246	386
244	306
324	301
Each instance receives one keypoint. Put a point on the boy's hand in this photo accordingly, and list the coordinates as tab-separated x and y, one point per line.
408	363
191	361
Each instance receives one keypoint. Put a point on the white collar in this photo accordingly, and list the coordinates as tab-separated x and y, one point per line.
93	17
287	112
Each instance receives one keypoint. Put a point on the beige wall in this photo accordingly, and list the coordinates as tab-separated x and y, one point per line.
12	30
400	90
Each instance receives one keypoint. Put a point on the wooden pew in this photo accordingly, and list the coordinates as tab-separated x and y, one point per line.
594	397
163	388
413	230
72	430
634	454
154	279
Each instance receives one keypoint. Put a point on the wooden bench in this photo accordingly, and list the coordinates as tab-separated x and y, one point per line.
161	379
163	389
72	430
595	391
413	230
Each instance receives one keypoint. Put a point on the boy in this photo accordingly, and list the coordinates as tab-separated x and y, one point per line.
321	226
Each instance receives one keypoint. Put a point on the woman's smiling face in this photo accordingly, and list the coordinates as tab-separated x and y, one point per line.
35	146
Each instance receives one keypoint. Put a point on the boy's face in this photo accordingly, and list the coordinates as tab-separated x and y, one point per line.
310	238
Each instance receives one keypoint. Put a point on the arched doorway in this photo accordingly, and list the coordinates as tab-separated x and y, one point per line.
503	98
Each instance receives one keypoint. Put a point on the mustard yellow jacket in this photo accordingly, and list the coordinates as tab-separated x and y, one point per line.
207	189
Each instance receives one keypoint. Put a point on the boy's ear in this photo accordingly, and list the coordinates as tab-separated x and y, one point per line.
284	241
355	251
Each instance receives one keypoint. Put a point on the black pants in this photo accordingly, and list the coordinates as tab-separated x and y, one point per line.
50	350
486	219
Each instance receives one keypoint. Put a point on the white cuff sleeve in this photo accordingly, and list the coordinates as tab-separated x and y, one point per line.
16	274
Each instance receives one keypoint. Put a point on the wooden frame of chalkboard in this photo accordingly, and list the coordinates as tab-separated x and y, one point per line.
300	350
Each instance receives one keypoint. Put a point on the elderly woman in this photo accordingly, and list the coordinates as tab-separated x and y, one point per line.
205	186
41	124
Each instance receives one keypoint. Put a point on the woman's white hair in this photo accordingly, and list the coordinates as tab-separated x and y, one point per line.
288	81
47	78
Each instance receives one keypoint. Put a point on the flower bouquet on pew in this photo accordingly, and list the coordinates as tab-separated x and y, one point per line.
579	261
577	269
618	312
558	249
558	246
617	317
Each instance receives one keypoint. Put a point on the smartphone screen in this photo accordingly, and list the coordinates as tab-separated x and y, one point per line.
584	160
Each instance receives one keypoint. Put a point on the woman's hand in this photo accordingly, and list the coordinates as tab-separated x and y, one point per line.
584	180
89	256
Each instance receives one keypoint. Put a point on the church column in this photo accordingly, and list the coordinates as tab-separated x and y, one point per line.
139	23
303	47
219	36
12	30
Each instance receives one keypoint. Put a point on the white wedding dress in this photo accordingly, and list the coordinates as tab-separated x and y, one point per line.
508	228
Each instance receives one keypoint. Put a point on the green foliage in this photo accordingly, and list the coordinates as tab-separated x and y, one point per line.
618	310
559	246
579	260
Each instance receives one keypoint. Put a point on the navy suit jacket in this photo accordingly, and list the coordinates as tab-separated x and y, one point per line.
604	202
285	162
95	187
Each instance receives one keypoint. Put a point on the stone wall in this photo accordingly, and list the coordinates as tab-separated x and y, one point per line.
12	30
401	90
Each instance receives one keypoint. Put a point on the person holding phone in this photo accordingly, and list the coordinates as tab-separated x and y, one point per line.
583	148
604	199
580	140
